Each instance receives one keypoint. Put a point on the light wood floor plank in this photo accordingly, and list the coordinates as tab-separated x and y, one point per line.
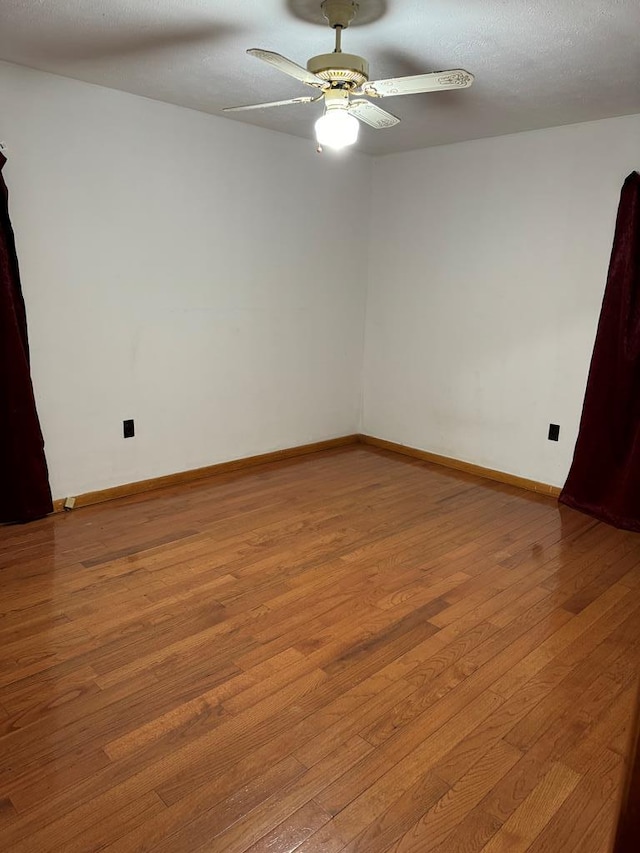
352	652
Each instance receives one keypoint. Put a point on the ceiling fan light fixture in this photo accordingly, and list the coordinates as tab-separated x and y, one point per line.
337	129
342	81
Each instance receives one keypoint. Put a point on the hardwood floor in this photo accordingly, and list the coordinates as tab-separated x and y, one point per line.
351	652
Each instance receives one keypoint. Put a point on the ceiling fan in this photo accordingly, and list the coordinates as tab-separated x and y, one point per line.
342	78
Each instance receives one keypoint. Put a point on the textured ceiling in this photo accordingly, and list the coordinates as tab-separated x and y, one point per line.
537	63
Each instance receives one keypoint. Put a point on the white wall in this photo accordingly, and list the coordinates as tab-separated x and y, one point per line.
186	271
488	264
182	270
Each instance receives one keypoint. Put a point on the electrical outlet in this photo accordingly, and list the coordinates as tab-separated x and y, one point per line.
554	432
128	429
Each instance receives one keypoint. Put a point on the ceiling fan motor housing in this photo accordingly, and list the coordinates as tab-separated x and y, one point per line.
340	68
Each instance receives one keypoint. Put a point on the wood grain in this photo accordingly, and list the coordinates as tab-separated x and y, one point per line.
193	474
180	477
354	651
461	465
628	821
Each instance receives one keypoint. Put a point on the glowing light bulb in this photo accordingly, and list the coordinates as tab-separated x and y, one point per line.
337	129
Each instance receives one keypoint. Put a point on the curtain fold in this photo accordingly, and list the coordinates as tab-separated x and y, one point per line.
24	482
604	479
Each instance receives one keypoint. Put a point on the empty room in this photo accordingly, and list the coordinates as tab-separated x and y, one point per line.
320	426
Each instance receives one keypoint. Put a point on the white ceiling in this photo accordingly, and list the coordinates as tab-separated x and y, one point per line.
537	63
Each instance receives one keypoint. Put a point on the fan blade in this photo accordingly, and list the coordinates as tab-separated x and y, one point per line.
288	67
304	100
371	114
438	81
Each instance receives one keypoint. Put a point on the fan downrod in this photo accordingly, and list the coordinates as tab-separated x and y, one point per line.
341	70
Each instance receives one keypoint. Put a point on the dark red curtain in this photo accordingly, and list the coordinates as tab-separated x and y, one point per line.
604	479
24	481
